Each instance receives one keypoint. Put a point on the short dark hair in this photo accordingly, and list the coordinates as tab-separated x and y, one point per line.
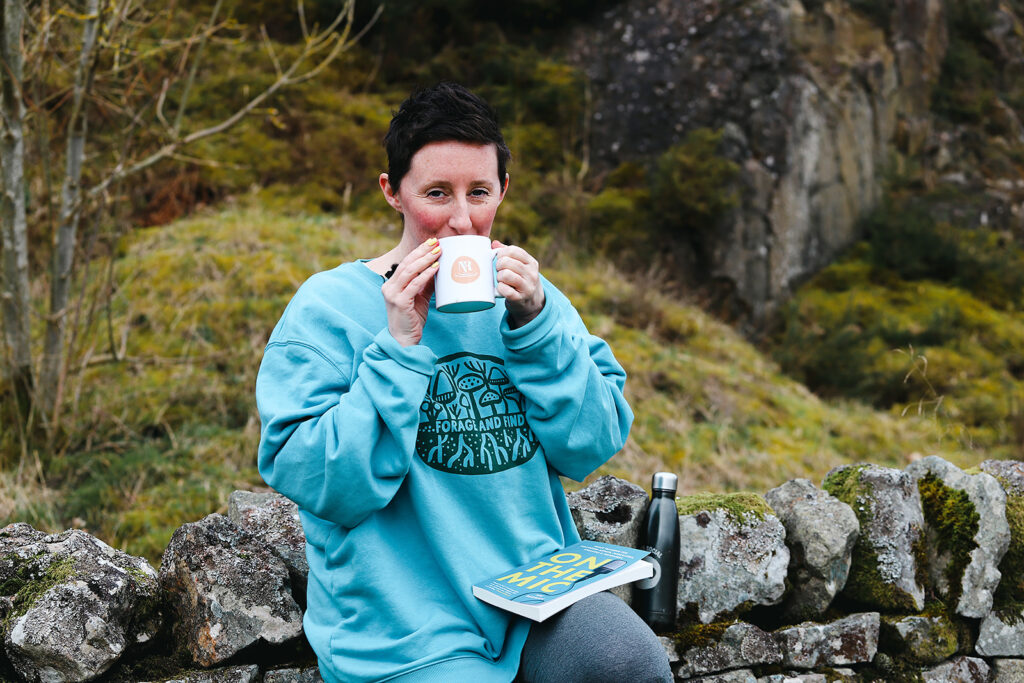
441	113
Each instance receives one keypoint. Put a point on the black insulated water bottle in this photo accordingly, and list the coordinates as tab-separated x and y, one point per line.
654	599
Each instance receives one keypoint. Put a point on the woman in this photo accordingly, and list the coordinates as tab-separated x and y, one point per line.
371	404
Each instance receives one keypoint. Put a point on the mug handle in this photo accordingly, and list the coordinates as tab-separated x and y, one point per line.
494	273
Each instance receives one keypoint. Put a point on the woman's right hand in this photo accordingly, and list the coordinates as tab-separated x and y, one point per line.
407	292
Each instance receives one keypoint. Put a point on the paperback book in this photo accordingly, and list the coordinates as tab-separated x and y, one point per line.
551	583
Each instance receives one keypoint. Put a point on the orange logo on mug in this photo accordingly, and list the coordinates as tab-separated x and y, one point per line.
465	270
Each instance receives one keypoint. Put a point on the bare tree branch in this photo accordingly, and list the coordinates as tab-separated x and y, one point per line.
64	246
270	50
183	105
324	40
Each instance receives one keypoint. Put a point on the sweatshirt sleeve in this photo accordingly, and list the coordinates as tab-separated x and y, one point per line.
573	387
340	446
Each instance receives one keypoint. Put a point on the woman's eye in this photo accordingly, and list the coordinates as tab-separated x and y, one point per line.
435	194
479	192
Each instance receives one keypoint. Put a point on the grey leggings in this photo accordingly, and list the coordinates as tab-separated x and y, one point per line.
596	640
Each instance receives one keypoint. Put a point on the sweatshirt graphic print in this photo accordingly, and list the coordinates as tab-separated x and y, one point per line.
472	419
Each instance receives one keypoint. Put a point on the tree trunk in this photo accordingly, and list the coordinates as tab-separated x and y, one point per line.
14	292
52	368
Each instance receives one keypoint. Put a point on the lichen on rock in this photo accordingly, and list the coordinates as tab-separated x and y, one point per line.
821	531
1008	599
228	590
967	533
887	557
732	557
75	605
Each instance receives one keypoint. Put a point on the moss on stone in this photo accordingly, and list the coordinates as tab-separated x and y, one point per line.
1008	599
28	588
833	676
844	484
939	641
699	635
865	587
741	508
954	520
919	548
864	584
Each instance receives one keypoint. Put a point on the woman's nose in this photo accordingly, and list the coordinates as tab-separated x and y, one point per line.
459	219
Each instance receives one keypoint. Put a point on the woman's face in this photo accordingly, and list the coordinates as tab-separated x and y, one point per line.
451	188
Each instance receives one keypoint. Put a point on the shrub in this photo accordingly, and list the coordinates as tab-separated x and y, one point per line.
908	241
677	203
691	186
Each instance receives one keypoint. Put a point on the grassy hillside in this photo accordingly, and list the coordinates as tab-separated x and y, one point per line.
170	428
915	339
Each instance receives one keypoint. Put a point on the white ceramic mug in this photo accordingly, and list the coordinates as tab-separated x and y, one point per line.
466	280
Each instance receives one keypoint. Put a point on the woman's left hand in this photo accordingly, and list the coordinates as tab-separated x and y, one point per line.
519	283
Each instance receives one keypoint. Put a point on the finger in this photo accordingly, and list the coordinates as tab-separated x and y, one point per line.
421	284
525	270
418	260
520	285
517	252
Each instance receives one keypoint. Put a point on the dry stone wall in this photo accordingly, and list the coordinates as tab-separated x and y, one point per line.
877	574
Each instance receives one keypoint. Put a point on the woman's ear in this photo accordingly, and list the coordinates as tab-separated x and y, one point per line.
504	186
390	195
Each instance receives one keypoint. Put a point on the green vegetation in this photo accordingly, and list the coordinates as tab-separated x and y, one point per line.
700	635
912	343
741	508
922	317
677	202
879	11
865	584
953	523
27	586
969	84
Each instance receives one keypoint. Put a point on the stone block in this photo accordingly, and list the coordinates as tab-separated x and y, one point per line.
883	573
966	533
610	510
274	519
244	673
1007	670
74	605
920	639
850	640
1010	475
308	675
1001	636
228	590
733	555
821	531
717	648
738	676
959	670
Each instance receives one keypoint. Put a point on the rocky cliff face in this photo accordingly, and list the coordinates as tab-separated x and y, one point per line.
812	98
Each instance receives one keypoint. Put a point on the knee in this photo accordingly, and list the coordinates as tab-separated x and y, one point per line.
624	649
635	656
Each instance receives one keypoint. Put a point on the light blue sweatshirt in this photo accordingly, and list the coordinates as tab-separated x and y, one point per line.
419	471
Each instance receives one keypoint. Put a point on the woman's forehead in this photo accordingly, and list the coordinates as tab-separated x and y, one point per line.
455	157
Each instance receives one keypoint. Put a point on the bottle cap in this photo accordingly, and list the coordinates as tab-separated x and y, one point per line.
664	481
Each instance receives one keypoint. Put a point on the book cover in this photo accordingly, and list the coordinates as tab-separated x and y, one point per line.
544	586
